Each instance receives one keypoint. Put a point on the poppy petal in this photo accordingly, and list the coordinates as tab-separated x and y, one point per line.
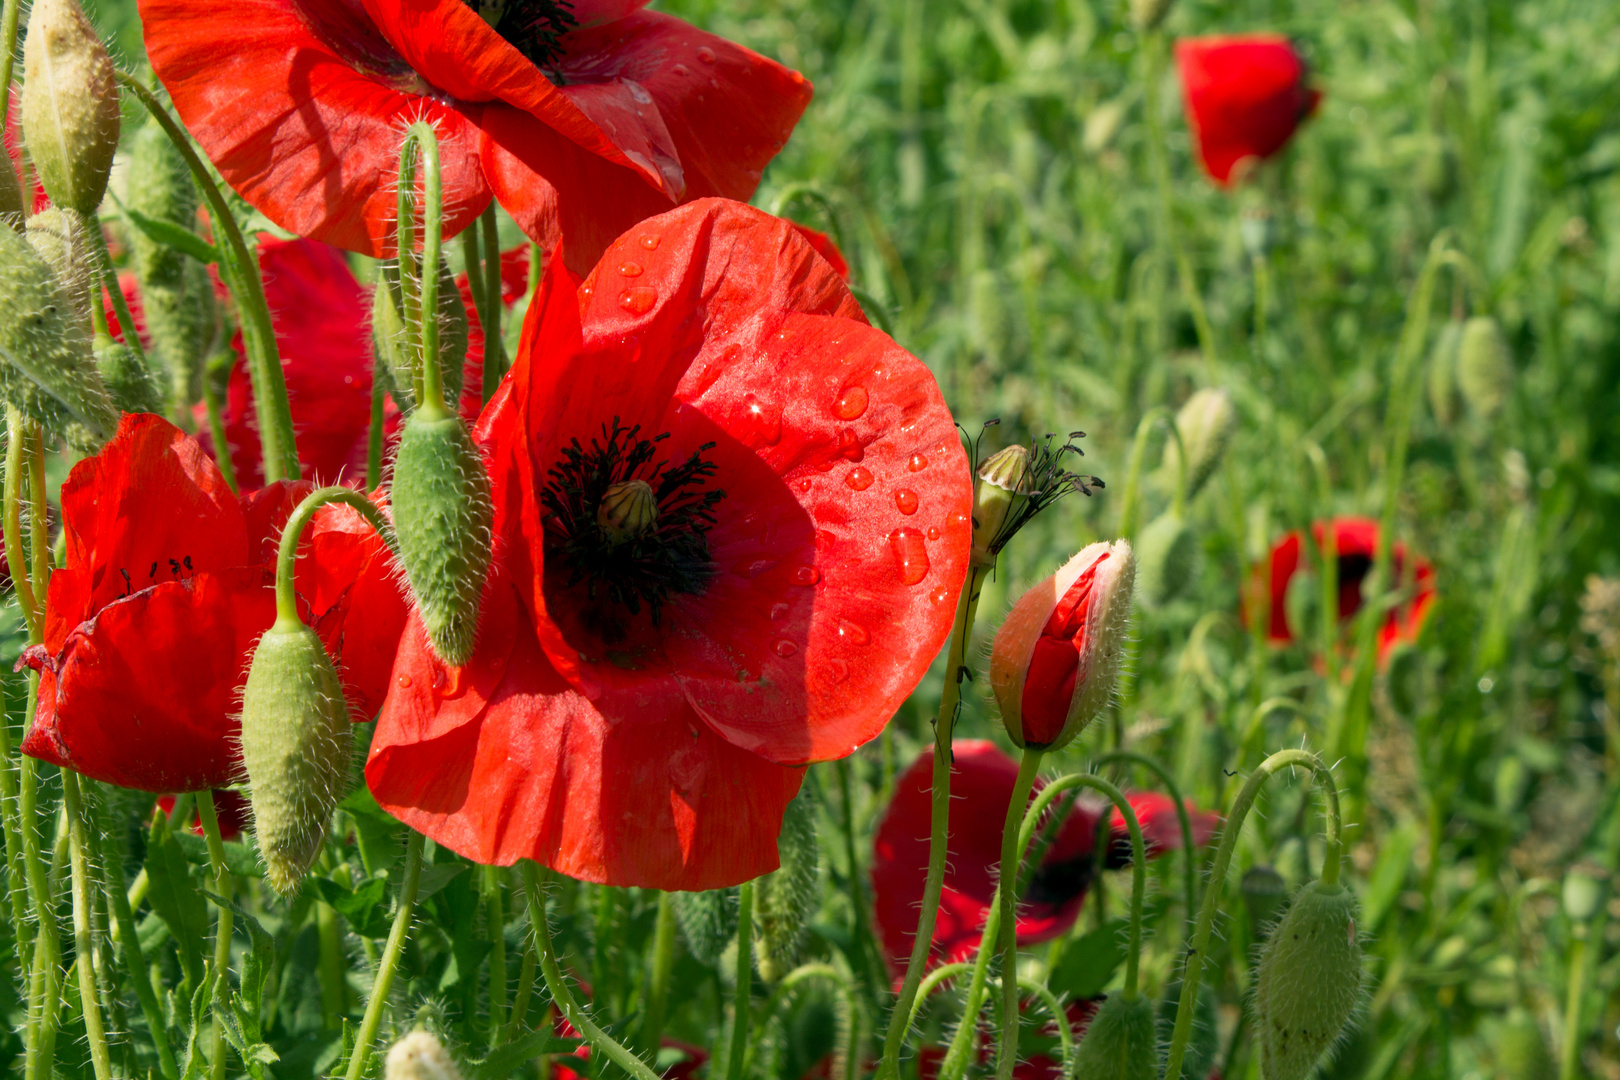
1245	97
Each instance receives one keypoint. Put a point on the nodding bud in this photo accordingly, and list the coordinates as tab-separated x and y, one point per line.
1003	483
1168	552
47	369
392	356
786	899
1583	895
297	739
1205	423
1442	380
443	517
69	105
1148	14
1122	1042
419	1056
628	510
1057	656
1309	981
1484	366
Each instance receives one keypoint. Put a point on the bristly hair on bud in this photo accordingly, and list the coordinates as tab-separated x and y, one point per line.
69	105
420	1056
786	899
1121	1043
1308	982
1043	482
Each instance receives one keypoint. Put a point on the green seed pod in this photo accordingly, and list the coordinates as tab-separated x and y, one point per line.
1521	1049
69	105
1121	1043
786	899
297	738
388	341
1442	381
1003	484
1484	366
1583	895
1167	553
131	386
1206	423
444	517
160	188
1309	981
59	237
1203	1046
419	1056
708	922
46	367
183	321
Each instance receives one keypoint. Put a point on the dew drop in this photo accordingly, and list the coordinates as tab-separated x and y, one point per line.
705	54
917	463
587	290
806	575
837	671
939	594
849	445
779	612
806	484
638	299
681	69
784	648
630	269
910	554
854	633
649	241
764	422
852	403
906	500
933	532
859	478
404	682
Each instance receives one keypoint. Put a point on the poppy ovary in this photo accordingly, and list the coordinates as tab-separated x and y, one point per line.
633	529
532	27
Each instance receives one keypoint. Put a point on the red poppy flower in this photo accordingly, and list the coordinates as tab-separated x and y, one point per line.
231	808
301	104
1245	97
167	585
981	784
27	179
636	714
825	248
1356	546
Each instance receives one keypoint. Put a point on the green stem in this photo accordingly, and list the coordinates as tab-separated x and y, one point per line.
1570	1056
420	138
287	554
222	929
558	986
1060	1018
1262	295
83	945
390	958
8	56
1131	498
139	974
1007	899
330	965
1194	973
495	917
17	444
663	958
1189	882
240	270
745	982
520	1004
844	1054
490	317
940	810
216	431
374	437
109	276
857	895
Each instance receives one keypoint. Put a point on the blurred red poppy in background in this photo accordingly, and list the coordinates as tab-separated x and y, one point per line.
639	705
981	785
168	582
580	118
231	807
1245	97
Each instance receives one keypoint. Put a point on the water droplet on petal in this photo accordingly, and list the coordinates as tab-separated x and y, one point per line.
780	612
705	54
938	595
910	554
854	633
906	500
681	69
933	532
784	648
917	463
764	422
859	478
630	269
806	484
405	682
587	290
638	299
852	403
837	671
806	575
849	445
649	241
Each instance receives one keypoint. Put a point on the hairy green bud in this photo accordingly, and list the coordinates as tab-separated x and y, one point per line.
1309	981
708	922
69	105
297	739
786	899
1206	423
1121	1043
160	188
59	236
183	322
1484	366
1442	380
131	386
1167	556
419	1056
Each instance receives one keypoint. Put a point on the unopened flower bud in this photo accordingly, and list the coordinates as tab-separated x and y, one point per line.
69	105
183	322
1056	658
388	341
419	1056
1121	1043
1167	551
1442	380
1258	231
1205	423
297	737
1583	896
1484	366
1521	1049
160	188
628	510
1309	981
131	387
1003	483
786	899
443	517
59	236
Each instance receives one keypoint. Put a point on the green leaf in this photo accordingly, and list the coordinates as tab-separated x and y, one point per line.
381	837
435	878
176	899
1087	965
365	906
241	857
171	235
499	1065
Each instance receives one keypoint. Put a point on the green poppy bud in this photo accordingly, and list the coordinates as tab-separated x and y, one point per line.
1484	366
46	367
1583	896
69	105
1167	555
708	922
160	188
1206	423
388	341
1121	1043
183	321
1309	981
131	386
443	517
60	238
419	1056
1442	380
1521	1049
1003	483
297	739
786	899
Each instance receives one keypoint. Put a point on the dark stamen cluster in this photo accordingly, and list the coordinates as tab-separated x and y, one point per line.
1045	479
533	27
648	569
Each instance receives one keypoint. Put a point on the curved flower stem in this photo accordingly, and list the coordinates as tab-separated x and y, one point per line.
109	277
222	929
83	945
287	553
534	888
940	816
1059	1017
240	269
1194	974
421	138
390	958
745	979
1007	901
845	1052
1131	499
490	316
663	958
1189	881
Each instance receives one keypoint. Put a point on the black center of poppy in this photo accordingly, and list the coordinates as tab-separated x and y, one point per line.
530	26
671	556
1056	883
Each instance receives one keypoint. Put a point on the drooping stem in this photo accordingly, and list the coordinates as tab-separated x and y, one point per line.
663	958
1006	903
83	947
390	958
940	810
287	553
558	986
420	139
1194	973
222	929
490	316
1189	883
745	981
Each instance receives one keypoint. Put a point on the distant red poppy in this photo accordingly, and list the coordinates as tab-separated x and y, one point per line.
231	808
1356	546
637	711
1245	97
981	784
580	118
167	584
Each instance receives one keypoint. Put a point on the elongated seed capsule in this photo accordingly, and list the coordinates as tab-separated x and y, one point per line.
69	105
1309	981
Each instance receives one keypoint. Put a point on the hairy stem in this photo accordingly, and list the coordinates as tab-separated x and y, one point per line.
390	958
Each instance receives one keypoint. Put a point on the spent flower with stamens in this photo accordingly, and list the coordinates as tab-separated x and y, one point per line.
1016	483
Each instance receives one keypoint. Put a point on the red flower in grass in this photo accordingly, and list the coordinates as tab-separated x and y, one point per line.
981	784
581	118
637	712
1245	97
231	807
168	583
1355	542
